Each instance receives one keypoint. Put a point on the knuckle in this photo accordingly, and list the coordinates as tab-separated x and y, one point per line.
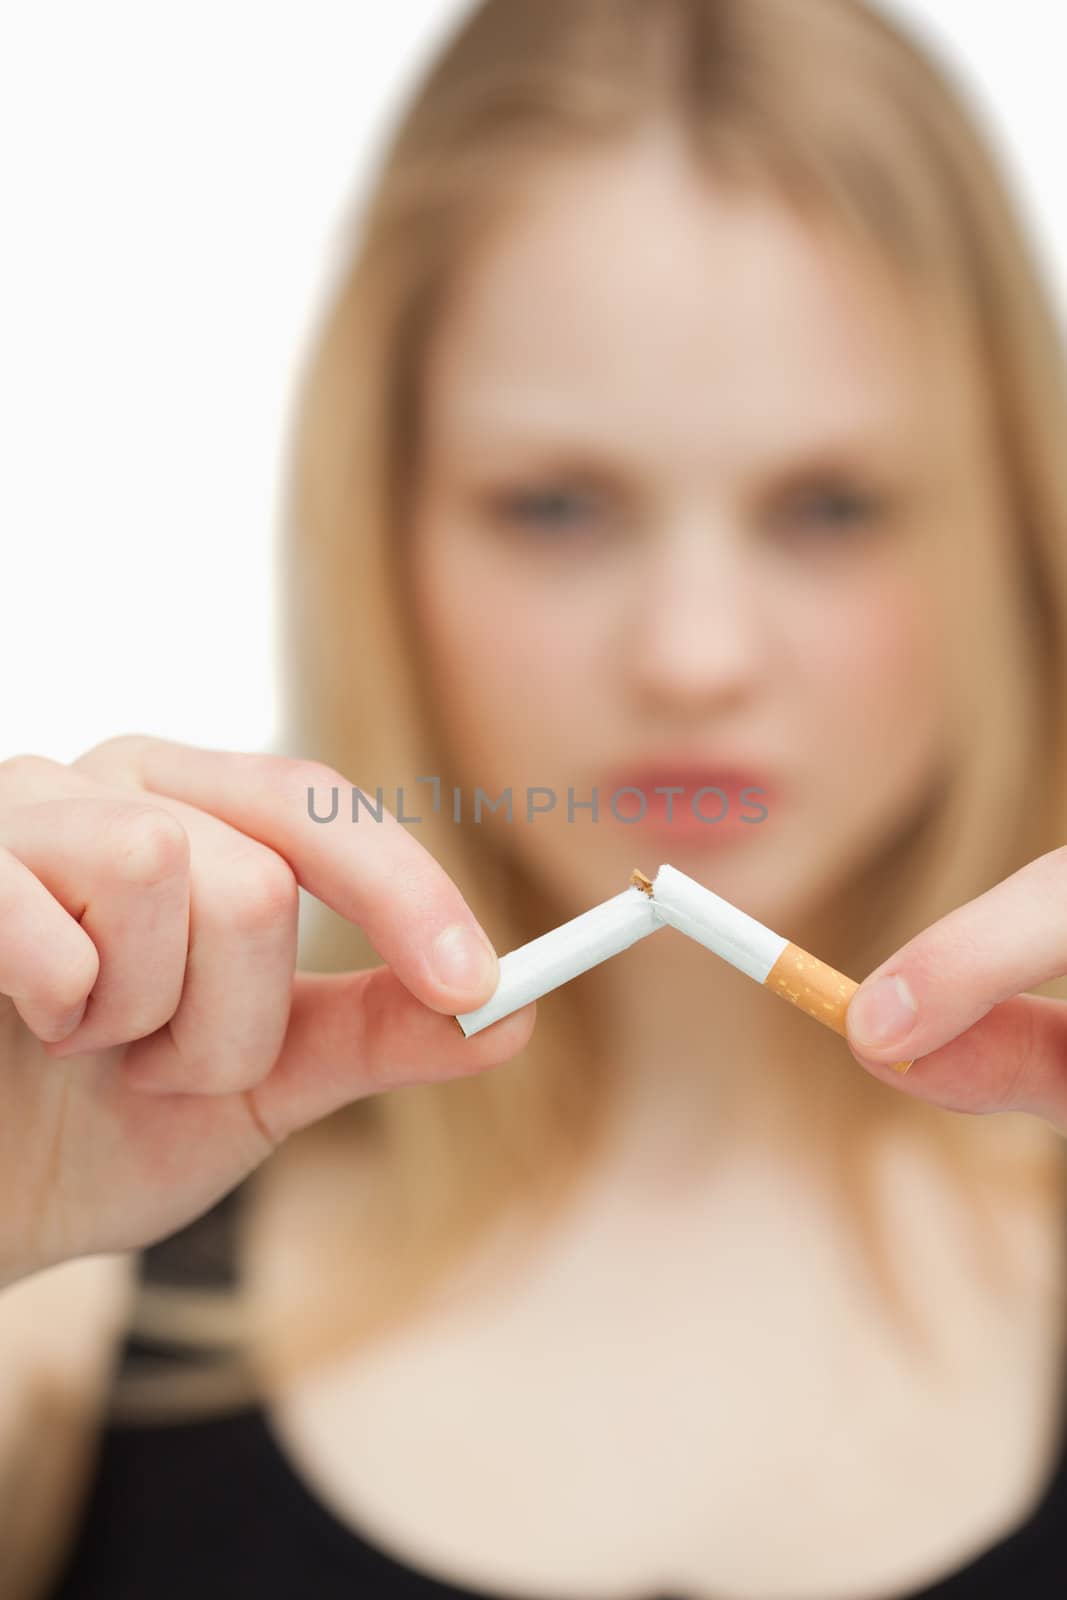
296	774
68	988
119	744
314	776
140	1015
302	776
146	1007
308	774
25	768
138	1021
113	760
78	979
152	845
264	892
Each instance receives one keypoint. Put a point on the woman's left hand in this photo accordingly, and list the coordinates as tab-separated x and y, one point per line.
951	998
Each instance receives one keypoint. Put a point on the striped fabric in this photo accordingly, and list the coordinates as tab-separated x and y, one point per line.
181	1356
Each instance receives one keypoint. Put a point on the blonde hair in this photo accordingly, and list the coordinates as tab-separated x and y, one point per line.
831	109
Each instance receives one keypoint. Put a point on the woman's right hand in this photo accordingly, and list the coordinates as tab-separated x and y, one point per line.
159	883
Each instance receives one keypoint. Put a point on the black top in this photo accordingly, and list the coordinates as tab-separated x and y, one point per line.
211	1508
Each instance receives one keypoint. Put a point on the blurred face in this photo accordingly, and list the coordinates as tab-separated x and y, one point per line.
682	485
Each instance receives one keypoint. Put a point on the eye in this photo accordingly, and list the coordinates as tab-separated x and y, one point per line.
555	510
835	509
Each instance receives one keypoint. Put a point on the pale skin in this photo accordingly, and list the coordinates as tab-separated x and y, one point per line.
744	429
636	1373
154	886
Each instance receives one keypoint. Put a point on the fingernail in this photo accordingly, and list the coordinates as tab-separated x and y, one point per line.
462	959
882	1015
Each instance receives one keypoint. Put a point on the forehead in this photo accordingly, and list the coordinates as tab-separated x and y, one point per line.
625	297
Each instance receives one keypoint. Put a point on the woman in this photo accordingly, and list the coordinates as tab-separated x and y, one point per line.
689	417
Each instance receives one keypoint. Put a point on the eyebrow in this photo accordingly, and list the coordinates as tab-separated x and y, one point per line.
505	418
865	450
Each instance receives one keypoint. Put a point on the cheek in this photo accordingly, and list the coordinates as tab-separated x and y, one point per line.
869	686
505	660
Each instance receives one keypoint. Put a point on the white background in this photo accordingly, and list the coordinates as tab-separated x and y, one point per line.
172	180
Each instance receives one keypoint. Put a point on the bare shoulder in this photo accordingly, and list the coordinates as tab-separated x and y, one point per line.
59	1326
58	1333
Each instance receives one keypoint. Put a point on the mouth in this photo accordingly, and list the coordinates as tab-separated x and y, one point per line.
690	803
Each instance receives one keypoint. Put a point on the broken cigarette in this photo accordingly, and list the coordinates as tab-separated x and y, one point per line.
808	983
676	900
535	968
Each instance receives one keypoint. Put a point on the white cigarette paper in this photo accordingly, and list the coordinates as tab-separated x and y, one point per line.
563	953
715	923
672	899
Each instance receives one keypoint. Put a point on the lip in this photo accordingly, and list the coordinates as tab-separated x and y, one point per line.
747	797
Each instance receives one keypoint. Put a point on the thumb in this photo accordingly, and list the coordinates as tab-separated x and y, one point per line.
952	1000
352	1034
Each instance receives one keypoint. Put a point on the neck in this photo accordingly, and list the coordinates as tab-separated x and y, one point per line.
688	1041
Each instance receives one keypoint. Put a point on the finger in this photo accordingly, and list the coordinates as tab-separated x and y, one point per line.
120	867
949	977
374	873
358	1033
243	922
1013	1059
196	962
48	964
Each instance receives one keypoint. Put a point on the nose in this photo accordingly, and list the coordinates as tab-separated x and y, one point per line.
695	637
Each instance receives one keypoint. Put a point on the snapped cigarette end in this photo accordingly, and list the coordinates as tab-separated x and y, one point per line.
639	881
564	953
